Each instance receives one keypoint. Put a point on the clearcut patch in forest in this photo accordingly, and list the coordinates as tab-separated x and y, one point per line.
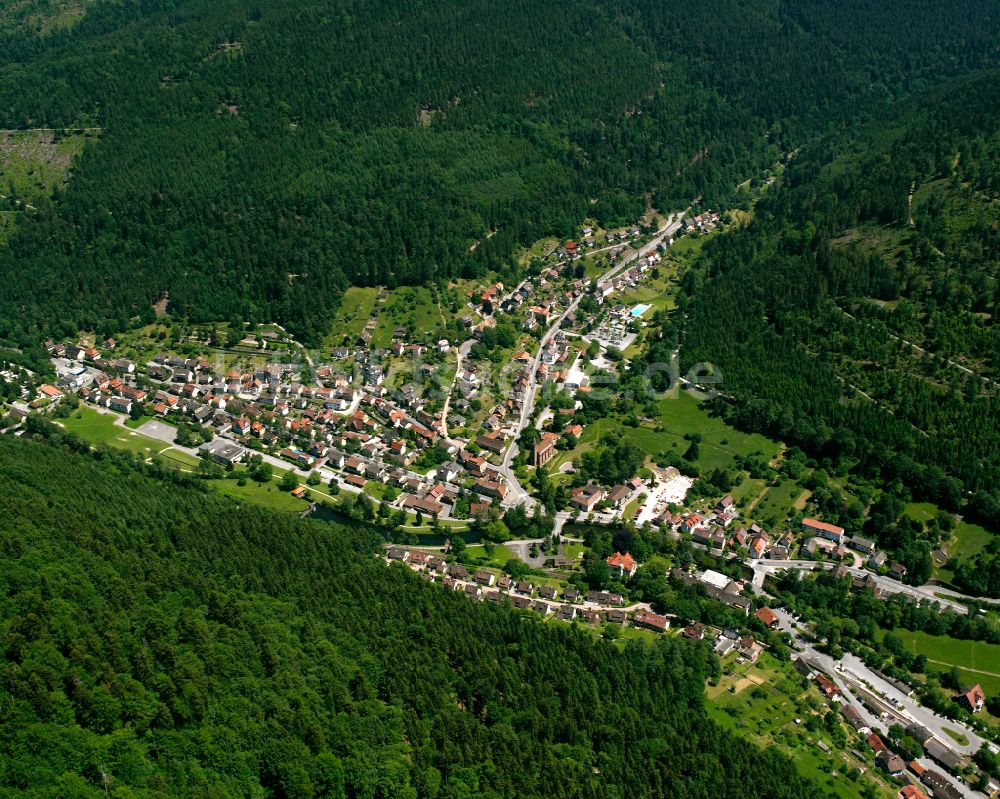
33	163
41	16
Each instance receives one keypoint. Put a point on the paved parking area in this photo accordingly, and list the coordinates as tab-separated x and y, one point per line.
159	431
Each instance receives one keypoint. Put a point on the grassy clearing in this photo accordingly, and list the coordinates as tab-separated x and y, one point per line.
968	539
492	556
174	457
720	444
539	249
413	307
660	294
269	495
355	309
778	502
921	511
976	661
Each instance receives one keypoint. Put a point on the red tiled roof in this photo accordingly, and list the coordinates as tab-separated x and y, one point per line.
618	560
767	616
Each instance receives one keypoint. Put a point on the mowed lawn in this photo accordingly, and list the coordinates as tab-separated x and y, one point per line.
268	495
969	539
977	661
100	428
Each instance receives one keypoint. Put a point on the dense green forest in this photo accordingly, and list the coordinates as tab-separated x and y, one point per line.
860	307
257	158
157	640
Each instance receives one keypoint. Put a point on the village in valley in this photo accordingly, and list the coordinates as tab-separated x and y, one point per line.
495	431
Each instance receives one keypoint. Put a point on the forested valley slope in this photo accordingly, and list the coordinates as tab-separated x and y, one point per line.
856	316
254	159
157	640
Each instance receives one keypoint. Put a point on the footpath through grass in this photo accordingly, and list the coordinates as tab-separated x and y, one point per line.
976	661
100	428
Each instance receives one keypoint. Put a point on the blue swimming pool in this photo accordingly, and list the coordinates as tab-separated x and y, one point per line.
639	310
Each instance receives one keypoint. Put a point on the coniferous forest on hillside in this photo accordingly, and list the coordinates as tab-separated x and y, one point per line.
160	640
243	163
864	297
255	159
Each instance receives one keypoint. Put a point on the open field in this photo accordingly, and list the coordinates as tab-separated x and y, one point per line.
100	428
968	540
976	661
720	443
412	307
539	249
493	556
181	460
659	294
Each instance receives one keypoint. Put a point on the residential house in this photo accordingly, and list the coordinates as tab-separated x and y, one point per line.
491	488
749	648
828	687
940	786
973	699
541	607
491	442
725	504
473	591
854	717
694	632
484	577
862	544
622	566
768	617
618	495
893	764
